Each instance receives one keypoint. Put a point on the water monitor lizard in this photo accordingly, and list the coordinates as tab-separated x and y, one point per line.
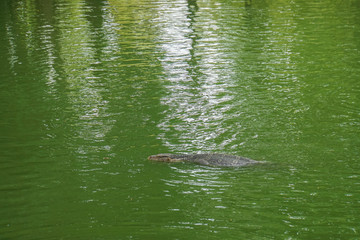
209	159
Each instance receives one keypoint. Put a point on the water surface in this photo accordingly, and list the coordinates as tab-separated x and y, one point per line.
89	89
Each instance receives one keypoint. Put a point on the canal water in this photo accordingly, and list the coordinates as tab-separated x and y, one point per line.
89	89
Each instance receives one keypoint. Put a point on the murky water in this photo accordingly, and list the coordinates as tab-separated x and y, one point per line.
89	89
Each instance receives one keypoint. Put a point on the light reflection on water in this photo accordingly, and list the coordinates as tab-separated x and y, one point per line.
92	88
192	92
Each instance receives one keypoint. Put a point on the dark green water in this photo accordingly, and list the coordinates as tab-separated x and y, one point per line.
89	89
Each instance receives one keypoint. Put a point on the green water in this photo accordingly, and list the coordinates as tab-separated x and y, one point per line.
89	89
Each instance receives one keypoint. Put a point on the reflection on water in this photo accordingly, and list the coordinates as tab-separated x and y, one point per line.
196	86
226	84
89	89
